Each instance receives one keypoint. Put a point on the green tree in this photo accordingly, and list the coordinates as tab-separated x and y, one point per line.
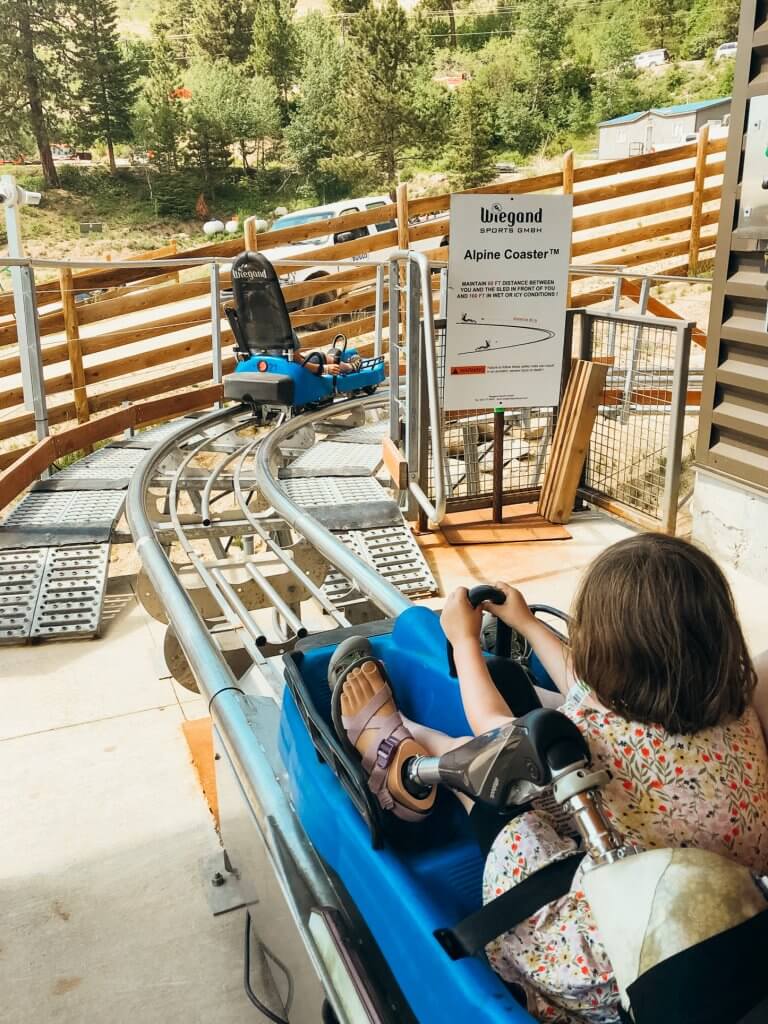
312	134
709	24
615	87
223	30
276	47
229	106
541	91
159	121
469	155
34	38
106	80
389	67
169	29
663	21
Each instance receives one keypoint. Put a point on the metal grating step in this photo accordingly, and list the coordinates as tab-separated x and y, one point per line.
111	468
153	436
21	572
344	503
53	519
72	592
371	433
395	555
334	459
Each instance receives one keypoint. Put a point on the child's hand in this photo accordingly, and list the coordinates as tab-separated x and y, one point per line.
460	621
515	611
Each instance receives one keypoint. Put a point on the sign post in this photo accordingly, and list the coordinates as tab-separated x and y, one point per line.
506	303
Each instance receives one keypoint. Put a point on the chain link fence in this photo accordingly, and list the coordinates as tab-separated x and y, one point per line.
645	429
641	450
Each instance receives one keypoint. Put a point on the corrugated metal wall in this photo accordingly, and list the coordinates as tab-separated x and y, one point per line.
733	435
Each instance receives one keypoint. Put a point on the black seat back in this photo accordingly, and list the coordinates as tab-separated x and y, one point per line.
259	317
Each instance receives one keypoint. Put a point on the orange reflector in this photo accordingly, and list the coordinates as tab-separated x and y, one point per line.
262	365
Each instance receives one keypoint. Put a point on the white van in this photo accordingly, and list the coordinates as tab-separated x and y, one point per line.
725	51
651	59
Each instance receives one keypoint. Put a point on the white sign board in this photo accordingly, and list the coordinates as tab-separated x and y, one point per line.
507	290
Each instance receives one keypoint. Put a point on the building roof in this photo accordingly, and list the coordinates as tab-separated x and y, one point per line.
678	108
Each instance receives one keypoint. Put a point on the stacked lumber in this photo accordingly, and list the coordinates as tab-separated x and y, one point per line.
570	443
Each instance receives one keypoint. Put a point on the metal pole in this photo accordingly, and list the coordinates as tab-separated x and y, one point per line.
498	464
216	325
442	308
414	409
616	304
30	353
394	355
378	314
676	428
634	353
12	197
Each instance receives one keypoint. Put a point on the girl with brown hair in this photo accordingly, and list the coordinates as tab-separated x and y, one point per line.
658	678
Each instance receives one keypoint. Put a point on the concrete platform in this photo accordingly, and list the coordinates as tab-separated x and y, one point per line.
105	916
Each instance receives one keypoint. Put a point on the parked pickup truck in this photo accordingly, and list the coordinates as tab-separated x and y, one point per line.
303	250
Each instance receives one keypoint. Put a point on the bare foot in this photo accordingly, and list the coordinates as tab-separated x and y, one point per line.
358	689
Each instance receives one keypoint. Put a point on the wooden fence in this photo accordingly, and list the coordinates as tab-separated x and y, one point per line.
655	212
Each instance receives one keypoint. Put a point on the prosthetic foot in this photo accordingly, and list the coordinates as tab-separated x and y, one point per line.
365	714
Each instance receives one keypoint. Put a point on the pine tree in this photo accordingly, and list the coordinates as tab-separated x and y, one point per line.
33	46
313	132
230	106
223	30
159	117
106	80
169	30
469	154
389	72
275	46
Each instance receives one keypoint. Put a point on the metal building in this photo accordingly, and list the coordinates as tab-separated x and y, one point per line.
731	495
647	130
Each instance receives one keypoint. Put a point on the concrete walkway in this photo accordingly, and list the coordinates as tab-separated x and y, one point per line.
104	912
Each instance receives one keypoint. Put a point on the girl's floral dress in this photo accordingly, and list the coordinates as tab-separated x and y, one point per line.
709	791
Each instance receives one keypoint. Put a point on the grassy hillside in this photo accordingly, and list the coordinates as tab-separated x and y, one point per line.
135	15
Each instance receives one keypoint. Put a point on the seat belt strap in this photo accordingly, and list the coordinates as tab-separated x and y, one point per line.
473	934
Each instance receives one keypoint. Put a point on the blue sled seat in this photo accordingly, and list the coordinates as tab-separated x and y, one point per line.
425	876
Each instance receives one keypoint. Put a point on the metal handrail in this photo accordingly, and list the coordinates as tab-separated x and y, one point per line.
299	871
382	593
435	512
180	262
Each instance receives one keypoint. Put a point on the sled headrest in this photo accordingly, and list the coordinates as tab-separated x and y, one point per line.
261	312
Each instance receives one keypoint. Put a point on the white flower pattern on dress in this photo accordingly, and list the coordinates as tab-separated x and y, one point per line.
709	791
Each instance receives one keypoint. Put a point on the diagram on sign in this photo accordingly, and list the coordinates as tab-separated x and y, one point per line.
542	335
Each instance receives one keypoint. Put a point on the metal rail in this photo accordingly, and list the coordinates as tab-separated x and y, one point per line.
300	873
382	593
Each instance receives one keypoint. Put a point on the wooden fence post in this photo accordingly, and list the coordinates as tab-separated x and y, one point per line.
251	234
699	181
74	350
568	191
